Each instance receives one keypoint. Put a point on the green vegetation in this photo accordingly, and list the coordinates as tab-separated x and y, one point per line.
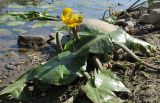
67	66
71	62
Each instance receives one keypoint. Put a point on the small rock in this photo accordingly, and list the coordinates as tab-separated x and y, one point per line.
144	18
0	81
43	63
99	24
155	5
10	67
31	41
152	18
130	23
11	54
5	77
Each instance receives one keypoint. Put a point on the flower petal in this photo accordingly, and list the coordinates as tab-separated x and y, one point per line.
71	19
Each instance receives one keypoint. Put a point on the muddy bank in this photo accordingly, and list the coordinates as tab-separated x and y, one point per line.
143	82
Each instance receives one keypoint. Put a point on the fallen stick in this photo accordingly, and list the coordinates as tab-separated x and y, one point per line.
136	57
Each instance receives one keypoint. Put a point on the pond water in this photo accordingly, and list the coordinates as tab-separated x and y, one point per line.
11	28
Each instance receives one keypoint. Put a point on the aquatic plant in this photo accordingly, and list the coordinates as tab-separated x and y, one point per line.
100	84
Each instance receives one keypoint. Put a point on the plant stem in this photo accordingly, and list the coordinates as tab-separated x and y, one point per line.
74	31
86	75
137	6
135	57
103	18
133	5
58	42
110	12
97	62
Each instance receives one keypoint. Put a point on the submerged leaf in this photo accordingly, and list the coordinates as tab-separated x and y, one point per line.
5	32
42	24
15	23
15	6
5	18
9	20
100	89
34	15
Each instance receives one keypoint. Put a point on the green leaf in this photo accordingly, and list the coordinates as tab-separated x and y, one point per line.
16	89
100	88
95	40
131	42
92	40
99	41
68	45
33	15
60	70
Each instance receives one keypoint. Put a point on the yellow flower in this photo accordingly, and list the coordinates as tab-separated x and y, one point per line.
71	19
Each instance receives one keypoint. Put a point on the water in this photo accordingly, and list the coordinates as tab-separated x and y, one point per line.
10	29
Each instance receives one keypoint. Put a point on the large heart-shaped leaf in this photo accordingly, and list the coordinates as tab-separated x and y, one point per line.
93	40
60	70
100	89
99	41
